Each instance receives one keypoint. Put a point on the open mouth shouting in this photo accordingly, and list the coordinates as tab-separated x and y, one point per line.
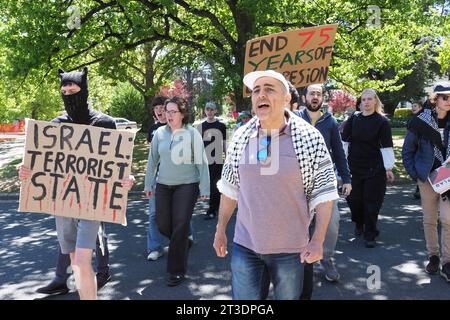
263	105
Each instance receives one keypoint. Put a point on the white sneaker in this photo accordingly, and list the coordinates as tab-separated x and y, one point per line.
154	255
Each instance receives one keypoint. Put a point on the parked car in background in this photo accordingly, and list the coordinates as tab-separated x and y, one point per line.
122	123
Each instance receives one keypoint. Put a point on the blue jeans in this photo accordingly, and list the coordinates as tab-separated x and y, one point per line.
154	237
247	268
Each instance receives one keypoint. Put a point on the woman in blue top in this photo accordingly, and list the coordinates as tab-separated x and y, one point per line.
426	148
177	152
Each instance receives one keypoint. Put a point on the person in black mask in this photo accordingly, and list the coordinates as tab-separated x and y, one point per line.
88	234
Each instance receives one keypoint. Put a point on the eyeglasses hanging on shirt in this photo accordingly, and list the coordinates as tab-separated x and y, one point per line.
263	148
264	141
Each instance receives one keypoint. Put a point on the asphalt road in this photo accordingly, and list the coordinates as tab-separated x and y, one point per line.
392	270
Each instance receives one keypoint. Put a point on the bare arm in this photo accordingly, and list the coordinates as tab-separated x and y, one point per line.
226	209
314	250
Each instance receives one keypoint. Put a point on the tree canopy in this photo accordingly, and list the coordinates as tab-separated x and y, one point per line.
375	46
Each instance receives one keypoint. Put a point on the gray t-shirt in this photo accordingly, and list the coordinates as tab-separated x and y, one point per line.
273	215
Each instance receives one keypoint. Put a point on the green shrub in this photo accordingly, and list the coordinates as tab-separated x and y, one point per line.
128	103
403	113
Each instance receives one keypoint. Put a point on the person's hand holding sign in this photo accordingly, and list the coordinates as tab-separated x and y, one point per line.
128	182
24	173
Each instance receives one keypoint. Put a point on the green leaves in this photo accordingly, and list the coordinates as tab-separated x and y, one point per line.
35	38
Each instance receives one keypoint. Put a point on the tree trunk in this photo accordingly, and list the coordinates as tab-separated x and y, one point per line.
148	84
188	76
244	27
34	110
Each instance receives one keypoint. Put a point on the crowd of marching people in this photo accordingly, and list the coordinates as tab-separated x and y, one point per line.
300	155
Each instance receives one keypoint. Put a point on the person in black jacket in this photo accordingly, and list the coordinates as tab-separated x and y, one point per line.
367	135
78	236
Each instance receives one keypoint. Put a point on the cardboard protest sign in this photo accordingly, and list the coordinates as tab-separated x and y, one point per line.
440	179
76	171
303	56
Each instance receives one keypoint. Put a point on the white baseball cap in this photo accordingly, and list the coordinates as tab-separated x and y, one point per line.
251	77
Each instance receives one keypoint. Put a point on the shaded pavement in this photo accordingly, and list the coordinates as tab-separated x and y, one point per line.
28	256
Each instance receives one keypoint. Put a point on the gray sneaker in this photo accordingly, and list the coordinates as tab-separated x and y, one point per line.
331	274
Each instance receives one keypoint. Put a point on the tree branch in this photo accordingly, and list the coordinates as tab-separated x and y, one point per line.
286	25
132	66
136	85
91	13
214	20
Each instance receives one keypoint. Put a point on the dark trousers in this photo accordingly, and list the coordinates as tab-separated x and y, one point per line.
308	282
102	258
174	209
365	201
215	172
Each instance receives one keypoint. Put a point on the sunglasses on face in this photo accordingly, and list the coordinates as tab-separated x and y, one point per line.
263	149
445	98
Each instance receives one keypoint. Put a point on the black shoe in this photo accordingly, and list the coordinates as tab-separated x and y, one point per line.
54	288
175	280
433	266
209	216
445	271
370	243
359	229
377	233
102	279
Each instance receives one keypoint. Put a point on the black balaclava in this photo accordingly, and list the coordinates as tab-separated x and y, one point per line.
76	105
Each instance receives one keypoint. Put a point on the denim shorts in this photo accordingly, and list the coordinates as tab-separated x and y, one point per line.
76	233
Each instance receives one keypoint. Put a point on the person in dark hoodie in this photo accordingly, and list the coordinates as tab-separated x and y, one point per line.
329	128
78	237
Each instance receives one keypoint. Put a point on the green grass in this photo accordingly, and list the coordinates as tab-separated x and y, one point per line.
9	177
398	133
140	156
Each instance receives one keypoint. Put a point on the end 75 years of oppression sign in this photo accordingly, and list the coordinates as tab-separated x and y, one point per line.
76	171
303	56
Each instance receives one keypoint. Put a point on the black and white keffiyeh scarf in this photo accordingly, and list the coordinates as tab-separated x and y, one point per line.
425	125
316	167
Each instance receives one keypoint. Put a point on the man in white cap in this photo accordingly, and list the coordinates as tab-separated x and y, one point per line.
280	172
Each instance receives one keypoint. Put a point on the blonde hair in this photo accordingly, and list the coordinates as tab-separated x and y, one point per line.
378	104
